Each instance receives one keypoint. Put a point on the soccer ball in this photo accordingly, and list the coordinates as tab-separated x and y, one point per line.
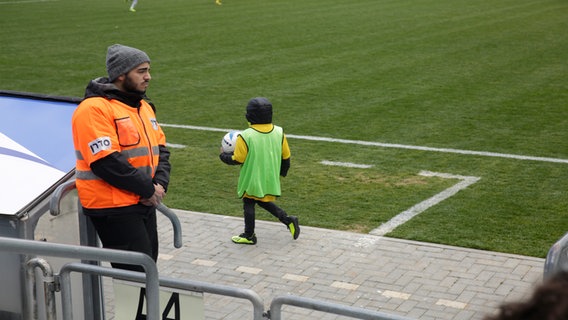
229	141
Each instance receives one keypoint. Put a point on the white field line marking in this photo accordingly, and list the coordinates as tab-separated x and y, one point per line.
404	216
346	164
176	146
391	145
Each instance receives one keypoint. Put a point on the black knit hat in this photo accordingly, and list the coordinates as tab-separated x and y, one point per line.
121	59
259	111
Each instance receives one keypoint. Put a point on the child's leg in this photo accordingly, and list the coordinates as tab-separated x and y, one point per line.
291	222
275	211
248	209
248	237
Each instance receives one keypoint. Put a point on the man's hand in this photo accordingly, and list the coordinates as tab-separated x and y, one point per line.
156	198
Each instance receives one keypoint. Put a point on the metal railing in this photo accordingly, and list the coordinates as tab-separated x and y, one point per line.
151	279
32	247
275	312
188	285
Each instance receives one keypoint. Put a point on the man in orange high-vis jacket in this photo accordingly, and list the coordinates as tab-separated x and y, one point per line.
123	168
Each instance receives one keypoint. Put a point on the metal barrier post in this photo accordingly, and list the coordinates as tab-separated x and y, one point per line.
175	223
58	194
48	288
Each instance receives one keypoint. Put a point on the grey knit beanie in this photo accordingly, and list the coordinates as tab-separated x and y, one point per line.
121	59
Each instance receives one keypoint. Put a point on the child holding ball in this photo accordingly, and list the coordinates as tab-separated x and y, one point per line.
263	152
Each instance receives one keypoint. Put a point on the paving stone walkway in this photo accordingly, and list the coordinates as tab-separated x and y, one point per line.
399	277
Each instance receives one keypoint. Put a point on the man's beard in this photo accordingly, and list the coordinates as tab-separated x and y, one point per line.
130	86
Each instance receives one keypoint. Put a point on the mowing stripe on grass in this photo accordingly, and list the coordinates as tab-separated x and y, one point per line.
404	216
390	145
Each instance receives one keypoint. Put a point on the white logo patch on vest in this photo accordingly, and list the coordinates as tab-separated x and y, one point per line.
100	144
154	123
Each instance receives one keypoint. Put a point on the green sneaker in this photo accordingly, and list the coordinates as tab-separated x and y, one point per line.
132	10
243	239
294	227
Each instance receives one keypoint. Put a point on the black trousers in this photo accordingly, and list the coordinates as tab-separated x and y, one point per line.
132	231
249	213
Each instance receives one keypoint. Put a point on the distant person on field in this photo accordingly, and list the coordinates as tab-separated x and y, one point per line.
264	154
133	5
549	301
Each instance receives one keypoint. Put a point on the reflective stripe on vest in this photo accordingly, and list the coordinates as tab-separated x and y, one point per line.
90	175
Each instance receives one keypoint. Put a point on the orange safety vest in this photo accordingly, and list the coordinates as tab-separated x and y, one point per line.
101	127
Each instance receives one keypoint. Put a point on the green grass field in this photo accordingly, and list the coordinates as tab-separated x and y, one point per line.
478	75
